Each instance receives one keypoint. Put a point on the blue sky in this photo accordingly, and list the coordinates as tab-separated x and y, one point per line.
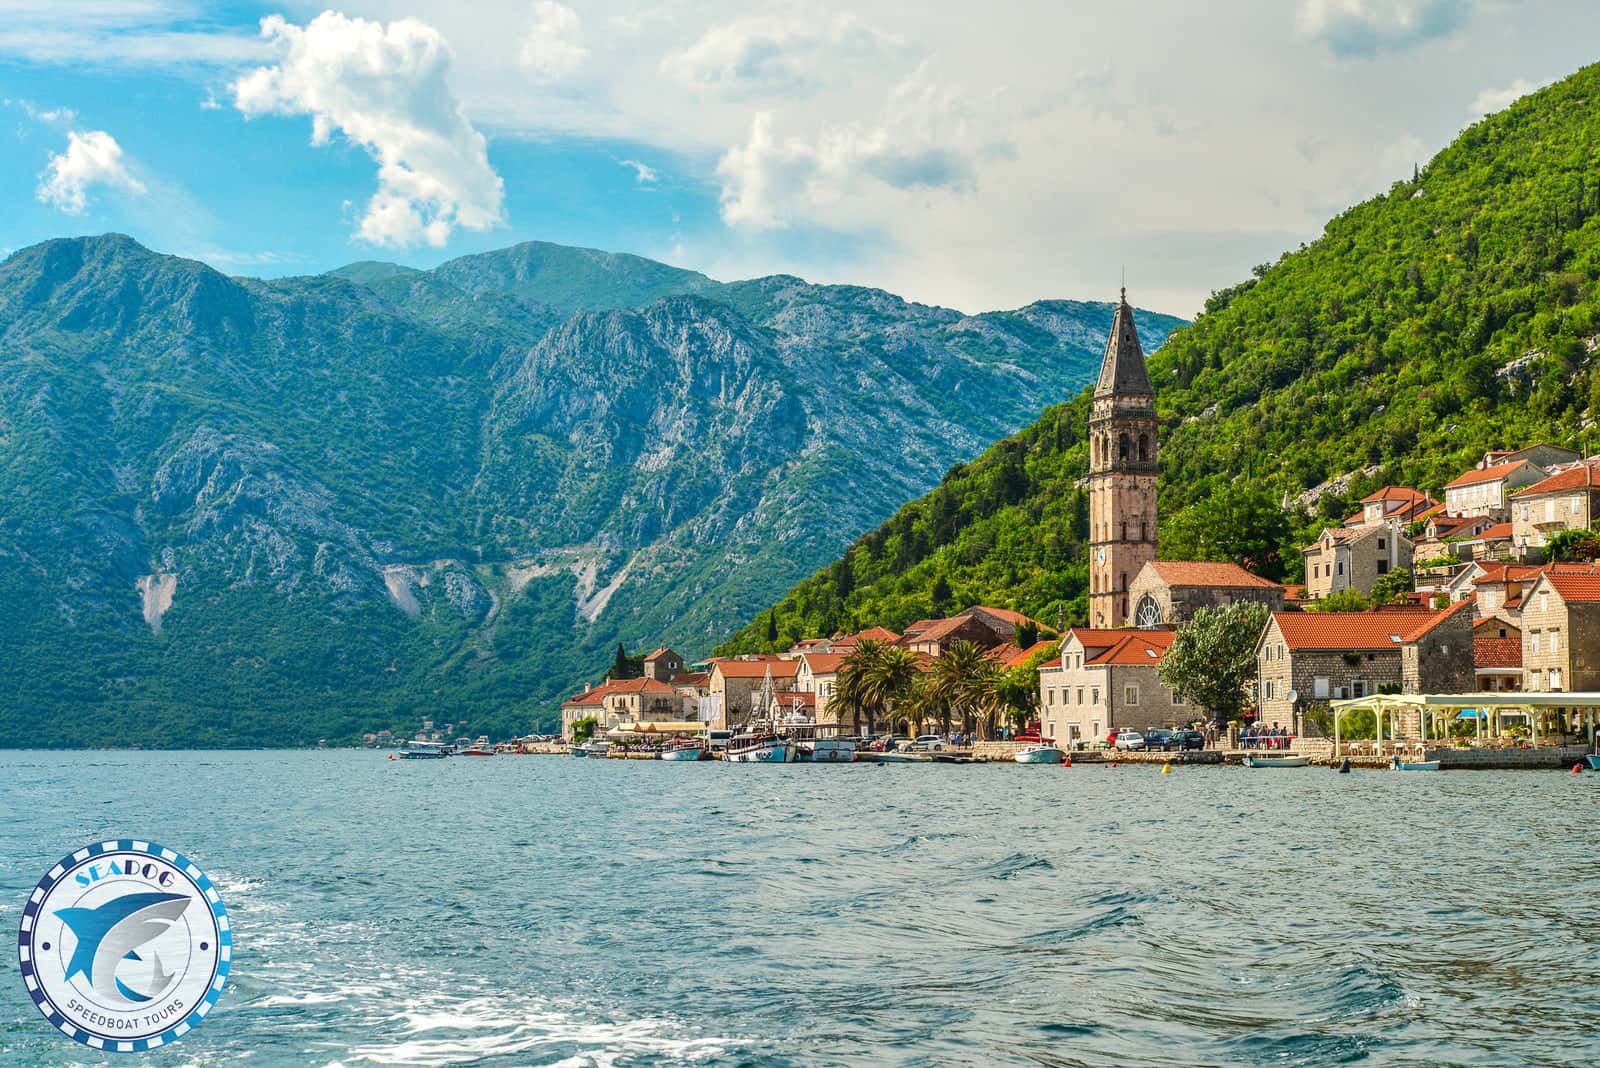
973	157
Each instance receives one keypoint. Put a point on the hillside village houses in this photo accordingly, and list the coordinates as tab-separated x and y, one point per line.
1489	614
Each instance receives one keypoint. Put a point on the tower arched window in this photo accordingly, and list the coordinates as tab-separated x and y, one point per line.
1123	578
1124	531
1122	448
1144	530
1144	448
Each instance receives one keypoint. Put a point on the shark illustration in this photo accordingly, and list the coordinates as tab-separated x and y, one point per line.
112	933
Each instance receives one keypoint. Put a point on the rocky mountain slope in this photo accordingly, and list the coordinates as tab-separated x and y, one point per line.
269	512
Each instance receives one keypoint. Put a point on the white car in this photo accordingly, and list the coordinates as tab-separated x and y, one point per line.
927	743
1130	740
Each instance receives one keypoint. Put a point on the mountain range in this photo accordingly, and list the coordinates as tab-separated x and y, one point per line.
271	512
1456	313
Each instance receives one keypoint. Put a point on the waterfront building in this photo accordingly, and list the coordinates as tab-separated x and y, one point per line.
819	675
1395	507
1311	658
735	682
1105	679
1168	592
1122	472
1561	630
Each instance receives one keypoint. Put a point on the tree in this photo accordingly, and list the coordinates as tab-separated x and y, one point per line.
1392	587
772	626
619	667
874	679
1212	660
583	729
940	594
1027	634
1573	545
1239	523
1341	601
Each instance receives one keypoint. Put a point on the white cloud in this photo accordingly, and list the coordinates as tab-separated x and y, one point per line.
645	173
1364	28
925	140
772	56
386	88
1490	101
553	48
92	158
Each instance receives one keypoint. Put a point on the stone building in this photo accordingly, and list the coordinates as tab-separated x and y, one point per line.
1561	630
1393	506
1311	658
586	705
1122	472
1169	591
981	625
1354	558
819	674
1567	500
734	682
633	700
1486	491
1105	679
662	665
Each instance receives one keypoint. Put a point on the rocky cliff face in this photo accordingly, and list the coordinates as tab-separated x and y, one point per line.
268	512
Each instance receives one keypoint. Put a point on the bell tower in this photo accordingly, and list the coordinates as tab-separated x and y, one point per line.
1122	473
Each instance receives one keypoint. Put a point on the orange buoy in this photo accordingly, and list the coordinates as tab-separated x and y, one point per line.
1577	769
1066	762
1113	764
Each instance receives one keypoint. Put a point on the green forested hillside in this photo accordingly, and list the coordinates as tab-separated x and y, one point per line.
1453	314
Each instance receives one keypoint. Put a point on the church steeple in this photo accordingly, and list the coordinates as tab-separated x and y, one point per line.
1123	369
1122	472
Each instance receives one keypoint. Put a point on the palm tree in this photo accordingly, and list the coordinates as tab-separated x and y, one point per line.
854	675
954	682
890	680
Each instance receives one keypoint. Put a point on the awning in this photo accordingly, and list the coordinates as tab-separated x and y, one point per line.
624	730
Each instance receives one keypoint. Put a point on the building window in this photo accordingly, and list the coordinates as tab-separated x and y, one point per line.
1319	687
1555	679
1130	695
1080	695
1534	640
1094	697
1177	698
1340	566
1575	506
1555	640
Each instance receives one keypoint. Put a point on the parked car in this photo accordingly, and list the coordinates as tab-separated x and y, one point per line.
1187	739
1160	738
1111	737
927	743
1129	739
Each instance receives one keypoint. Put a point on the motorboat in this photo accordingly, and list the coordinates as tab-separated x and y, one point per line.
479	748
1262	760
420	750
1040	753
1593	760
1413	765
684	750
591	748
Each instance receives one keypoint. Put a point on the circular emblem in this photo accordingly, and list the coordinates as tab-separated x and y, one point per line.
124	946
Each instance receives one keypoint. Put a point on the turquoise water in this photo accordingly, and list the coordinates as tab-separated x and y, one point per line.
540	910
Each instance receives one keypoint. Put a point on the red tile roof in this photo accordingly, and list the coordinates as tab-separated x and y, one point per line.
1498	532
1016	619
1492	622
1207	573
1486	474
641	685
1581	476
693	678
1090	638
1575	587
756	669
663	651
824	663
1402	494
1495	573
1145	647
871	634
1387	628
1497	652
589	698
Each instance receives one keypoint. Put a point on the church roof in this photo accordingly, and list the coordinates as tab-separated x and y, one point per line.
1123	370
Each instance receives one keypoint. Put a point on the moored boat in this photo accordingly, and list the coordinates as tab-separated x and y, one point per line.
419	750
684	750
761	748
591	748
1593	760
1413	765
1261	760
1039	753
479	748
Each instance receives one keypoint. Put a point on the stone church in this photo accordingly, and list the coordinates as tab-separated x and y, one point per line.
1126	583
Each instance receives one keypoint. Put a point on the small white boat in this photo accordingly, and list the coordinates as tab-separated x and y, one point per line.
760	749
1042	753
1413	765
1261	760
420	750
590	749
